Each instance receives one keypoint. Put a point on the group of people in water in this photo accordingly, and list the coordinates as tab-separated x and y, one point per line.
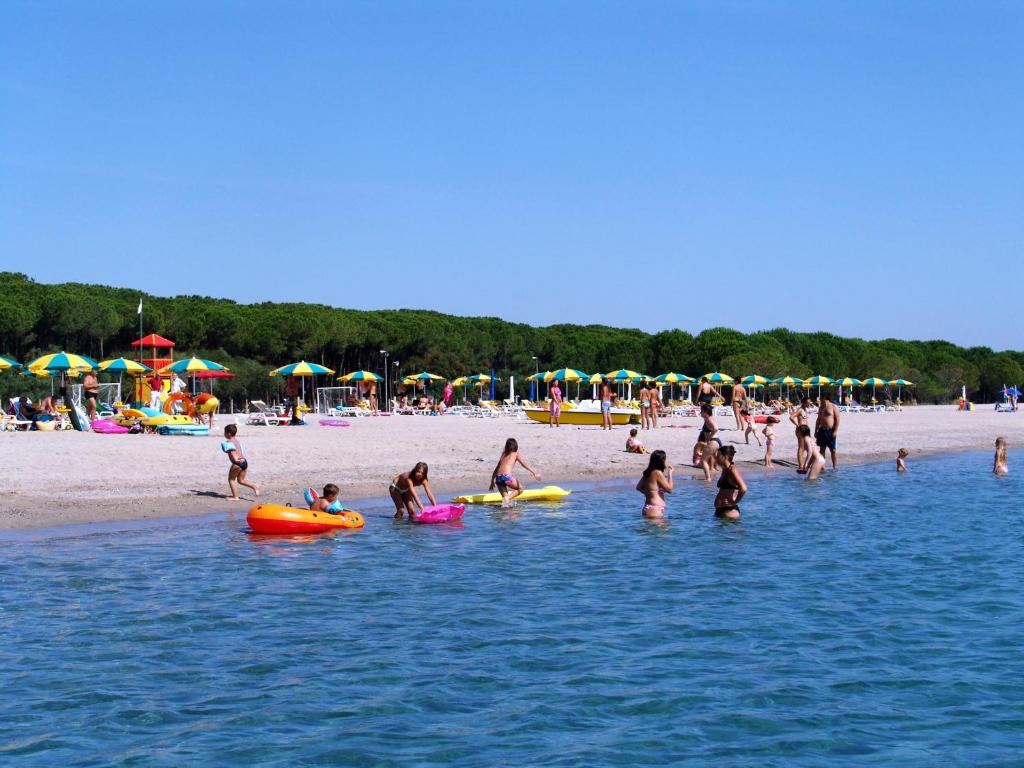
657	479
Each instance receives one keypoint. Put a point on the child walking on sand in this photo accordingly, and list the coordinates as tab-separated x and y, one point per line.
901	454
1001	464
239	465
633	444
748	427
502	476
769	439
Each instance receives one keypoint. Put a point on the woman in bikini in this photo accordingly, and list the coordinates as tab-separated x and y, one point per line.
769	439
711	443
654	483
403	491
731	488
814	462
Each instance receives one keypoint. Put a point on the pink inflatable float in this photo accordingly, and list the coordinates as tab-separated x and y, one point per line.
108	427
441	513
333	423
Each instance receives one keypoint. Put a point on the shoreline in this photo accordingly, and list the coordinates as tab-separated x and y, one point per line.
127	478
380	507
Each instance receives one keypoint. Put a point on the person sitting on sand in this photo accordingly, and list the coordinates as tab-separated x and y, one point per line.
654	483
1001	464
508	486
731	488
24	411
814	461
633	444
239	464
403	490
901	465
769	439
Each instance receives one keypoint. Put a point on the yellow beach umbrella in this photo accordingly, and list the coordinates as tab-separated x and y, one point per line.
302	368
360	376
62	361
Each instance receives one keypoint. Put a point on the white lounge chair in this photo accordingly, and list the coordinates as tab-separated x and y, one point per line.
258	412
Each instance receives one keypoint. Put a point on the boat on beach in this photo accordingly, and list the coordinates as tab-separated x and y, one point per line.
585	417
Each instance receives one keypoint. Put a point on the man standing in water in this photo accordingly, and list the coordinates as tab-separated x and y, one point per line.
826	428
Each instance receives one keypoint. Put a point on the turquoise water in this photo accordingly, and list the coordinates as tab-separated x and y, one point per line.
870	619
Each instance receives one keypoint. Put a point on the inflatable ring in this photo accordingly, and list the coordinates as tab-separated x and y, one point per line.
186	403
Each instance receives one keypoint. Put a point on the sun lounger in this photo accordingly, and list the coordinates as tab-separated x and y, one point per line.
258	412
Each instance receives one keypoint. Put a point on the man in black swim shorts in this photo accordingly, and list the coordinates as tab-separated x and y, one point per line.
826	428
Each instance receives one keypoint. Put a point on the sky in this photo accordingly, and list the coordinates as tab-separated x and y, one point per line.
853	167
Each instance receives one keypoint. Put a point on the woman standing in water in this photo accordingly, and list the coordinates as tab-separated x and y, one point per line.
731	487
654	483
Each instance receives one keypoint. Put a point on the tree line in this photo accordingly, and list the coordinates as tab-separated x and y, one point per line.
250	339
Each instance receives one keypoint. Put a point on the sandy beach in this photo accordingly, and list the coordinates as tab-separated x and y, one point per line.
70	477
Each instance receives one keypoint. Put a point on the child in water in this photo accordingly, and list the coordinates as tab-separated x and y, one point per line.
239	465
769	439
327	502
403	490
1000	466
748	427
814	461
901	454
502	476
655	482
633	444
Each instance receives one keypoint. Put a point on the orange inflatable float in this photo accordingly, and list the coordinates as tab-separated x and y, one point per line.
275	518
186	403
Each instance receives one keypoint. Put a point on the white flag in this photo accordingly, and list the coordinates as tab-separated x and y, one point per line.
139	312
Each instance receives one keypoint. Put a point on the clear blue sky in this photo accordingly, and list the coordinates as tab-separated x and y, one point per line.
856	166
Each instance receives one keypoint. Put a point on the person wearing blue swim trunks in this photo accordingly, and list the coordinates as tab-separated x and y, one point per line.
826	428
508	486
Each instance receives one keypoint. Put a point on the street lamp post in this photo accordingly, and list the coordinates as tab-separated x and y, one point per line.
535	385
387	401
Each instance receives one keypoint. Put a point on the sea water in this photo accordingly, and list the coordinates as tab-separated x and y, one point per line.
867	619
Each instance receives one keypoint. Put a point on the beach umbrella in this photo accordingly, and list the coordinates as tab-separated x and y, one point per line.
539	376
7	362
673	378
62	361
624	374
787	382
124	365
849	381
302	368
819	382
718	378
360	376
754	379
565	374
874	382
191	365
424	376
901	383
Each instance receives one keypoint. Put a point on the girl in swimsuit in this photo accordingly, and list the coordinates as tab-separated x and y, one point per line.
1000	465
769	440
403	490
654	483
731	488
239	464
748	427
508	486
901	454
798	418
